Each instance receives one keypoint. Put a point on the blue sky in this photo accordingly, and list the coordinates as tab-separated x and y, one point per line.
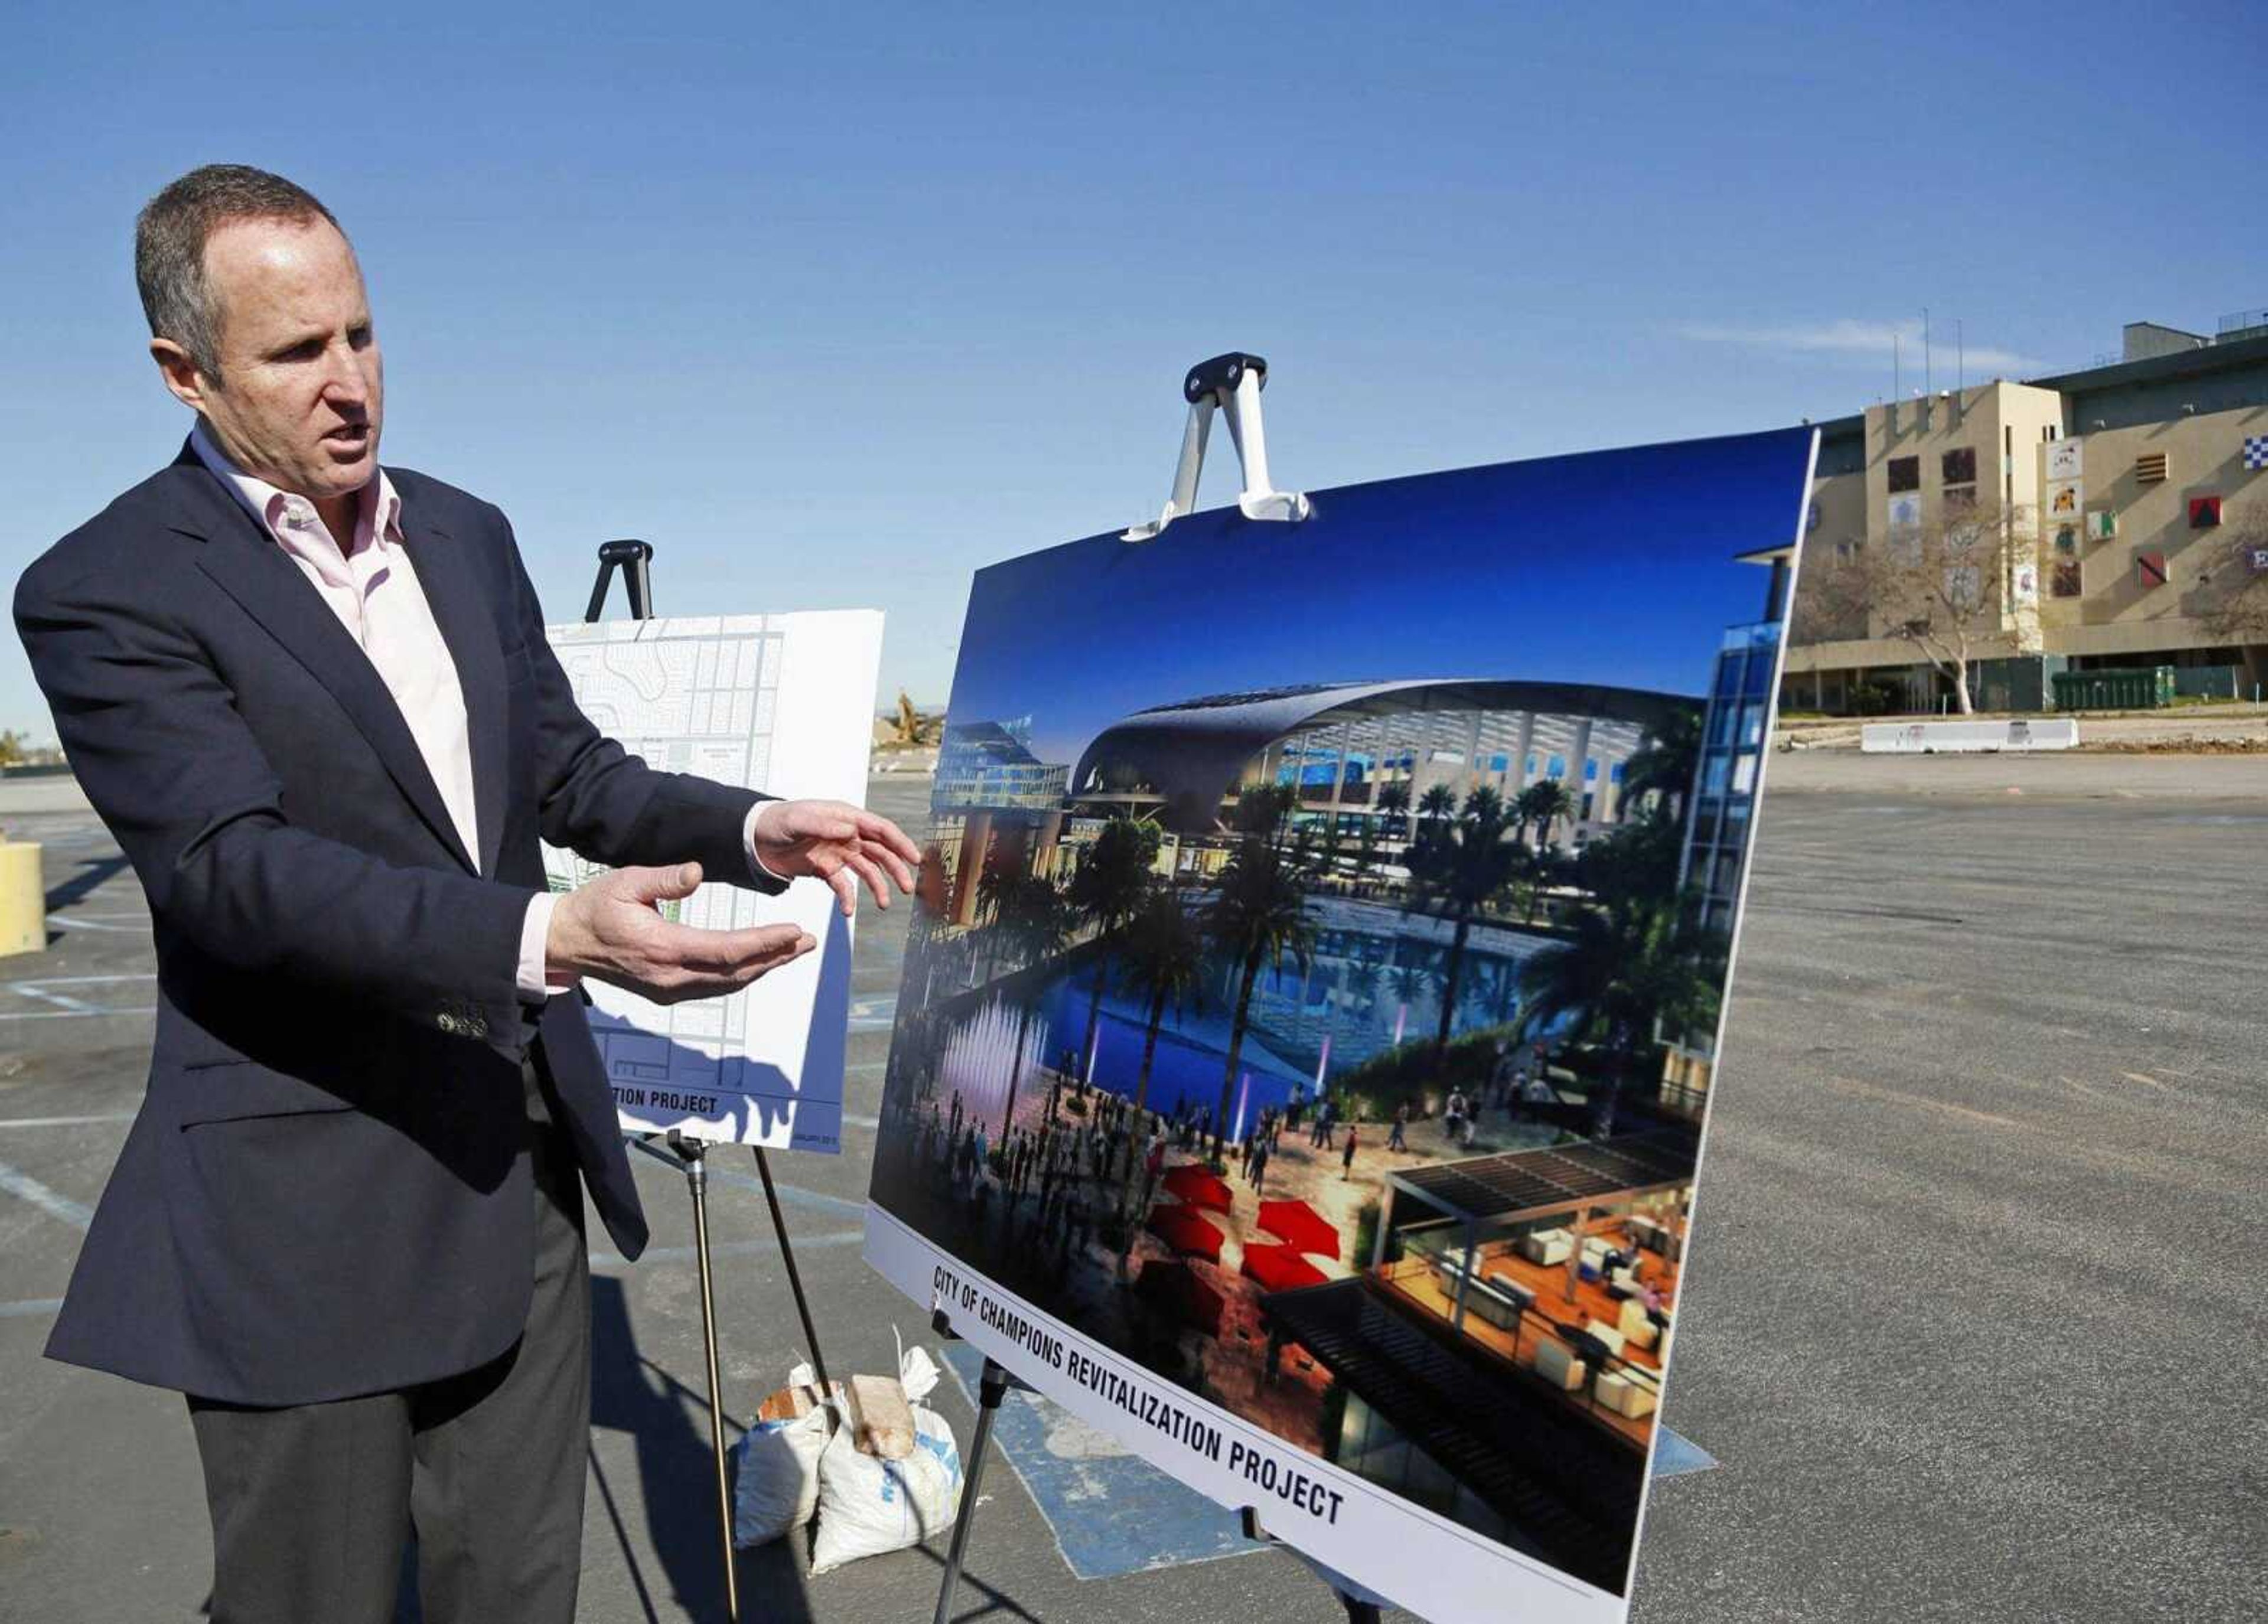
1616	568
835	304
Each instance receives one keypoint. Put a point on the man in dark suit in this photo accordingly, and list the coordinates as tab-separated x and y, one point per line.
313	699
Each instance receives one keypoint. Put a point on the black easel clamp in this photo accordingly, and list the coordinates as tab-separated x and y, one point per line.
634	559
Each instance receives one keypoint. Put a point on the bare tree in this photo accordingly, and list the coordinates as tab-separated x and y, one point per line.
2230	598
1947	587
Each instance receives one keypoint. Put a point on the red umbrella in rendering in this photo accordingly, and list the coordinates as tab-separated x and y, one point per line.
1305	1229
1199	1185
1174	1289
1280	1268
1185	1230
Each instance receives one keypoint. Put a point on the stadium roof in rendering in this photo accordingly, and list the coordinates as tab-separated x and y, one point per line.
1194	753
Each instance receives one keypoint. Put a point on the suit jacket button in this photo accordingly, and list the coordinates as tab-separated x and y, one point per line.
448	1022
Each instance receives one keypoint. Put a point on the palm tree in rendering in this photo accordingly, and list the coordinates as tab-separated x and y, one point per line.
1037	925
1164	965
1543	803
1663	765
1259	916
1435	808
993	883
1621	973
1393	807
1110	887
1457	872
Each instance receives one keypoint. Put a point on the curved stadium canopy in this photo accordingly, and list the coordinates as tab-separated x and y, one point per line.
1193	754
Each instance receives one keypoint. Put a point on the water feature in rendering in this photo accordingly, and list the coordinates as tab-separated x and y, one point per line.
1374	979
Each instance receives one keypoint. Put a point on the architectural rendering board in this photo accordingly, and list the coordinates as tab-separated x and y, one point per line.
783	703
1313	994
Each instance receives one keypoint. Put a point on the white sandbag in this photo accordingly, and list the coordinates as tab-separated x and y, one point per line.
868	1505
776	1472
775	1477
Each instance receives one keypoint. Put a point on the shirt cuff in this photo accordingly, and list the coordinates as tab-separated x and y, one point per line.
536	983
757	864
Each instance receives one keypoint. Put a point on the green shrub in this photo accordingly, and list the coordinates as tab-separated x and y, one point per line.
1411	1073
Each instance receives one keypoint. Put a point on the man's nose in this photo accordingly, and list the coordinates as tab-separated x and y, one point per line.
347	377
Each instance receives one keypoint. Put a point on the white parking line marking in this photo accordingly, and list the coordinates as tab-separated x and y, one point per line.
77	1015
77	1006
30	1307
25	1187
75	981
64	1121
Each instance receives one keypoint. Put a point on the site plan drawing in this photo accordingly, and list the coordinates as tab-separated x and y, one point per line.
783	703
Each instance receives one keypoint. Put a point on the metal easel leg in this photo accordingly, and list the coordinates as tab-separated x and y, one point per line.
991	1387
1358	1612
693	1153
794	1278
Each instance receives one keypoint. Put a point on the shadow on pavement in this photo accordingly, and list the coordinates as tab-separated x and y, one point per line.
92	873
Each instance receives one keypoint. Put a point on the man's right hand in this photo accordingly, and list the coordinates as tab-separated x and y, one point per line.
610	929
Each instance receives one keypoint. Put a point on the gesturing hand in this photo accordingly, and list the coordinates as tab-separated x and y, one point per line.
839	843
610	929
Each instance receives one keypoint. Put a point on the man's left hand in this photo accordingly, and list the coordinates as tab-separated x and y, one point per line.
839	843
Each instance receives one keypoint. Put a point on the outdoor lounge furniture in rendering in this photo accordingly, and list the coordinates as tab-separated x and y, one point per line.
1636	1325
1499	1301
1626	1393
1555	1364
1547	1246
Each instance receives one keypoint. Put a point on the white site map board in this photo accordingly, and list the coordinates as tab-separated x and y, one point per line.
783	703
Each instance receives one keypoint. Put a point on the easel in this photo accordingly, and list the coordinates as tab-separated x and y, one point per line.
690	1154
993	1386
1229	383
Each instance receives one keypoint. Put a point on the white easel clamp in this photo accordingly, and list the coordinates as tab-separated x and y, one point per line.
1231	383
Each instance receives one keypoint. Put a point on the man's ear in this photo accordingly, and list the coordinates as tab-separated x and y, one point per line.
180	372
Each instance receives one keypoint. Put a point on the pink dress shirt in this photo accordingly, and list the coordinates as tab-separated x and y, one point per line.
372	587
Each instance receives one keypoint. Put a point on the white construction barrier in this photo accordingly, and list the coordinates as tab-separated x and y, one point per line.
1969	738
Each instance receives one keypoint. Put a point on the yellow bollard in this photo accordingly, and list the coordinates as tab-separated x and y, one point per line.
23	899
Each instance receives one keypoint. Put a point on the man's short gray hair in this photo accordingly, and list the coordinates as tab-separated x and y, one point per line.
169	248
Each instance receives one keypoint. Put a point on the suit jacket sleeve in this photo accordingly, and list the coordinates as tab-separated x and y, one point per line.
596	798
184	786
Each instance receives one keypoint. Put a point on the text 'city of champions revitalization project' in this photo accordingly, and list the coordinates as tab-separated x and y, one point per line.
1317	969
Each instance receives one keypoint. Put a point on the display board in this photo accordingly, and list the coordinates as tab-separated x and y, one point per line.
783	703
1311	1004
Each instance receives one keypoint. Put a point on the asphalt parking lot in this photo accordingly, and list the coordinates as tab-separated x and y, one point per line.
1969	1327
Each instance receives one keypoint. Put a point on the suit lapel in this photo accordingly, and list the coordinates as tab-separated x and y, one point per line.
459	608
249	565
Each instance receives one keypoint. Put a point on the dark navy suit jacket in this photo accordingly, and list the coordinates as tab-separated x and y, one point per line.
321	1196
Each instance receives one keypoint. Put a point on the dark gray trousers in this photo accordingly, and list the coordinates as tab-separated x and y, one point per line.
313	1506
